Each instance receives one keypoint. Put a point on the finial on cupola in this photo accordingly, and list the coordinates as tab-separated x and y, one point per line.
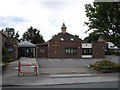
63	28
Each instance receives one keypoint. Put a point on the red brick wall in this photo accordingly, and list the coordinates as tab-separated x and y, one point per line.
14	53
42	54
61	49
98	49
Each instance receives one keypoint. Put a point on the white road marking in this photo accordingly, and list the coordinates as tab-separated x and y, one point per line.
57	59
50	60
17	68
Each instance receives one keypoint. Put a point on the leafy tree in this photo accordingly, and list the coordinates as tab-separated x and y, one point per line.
94	36
11	32
104	17
33	35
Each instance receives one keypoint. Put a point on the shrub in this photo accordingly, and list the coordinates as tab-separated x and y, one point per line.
5	58
108	52
105	65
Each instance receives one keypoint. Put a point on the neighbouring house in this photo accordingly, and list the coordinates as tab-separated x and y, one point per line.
11	45
65	45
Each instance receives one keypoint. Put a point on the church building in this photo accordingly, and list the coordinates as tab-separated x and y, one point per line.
64	45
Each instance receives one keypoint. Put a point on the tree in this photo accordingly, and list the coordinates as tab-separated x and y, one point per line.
104	17
94	36
33	35
11	33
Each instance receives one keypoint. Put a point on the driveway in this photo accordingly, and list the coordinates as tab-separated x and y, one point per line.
69	65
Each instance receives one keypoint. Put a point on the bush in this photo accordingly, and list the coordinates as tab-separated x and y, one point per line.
108	52
117	53
5	57
105	65
4	51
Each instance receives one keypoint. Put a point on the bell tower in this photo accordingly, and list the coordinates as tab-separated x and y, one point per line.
63	28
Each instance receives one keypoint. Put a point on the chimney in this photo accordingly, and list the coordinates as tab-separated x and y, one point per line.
63	28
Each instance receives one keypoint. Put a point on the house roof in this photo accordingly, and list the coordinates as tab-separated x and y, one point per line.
26	44
4	34
65	37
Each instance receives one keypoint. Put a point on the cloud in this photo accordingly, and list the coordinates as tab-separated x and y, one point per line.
46	15
10	21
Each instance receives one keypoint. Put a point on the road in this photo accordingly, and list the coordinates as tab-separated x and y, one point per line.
113	84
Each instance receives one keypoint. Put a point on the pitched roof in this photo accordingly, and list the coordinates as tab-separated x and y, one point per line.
26	44
65	37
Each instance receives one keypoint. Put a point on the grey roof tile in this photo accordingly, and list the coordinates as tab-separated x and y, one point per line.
66	36
26	44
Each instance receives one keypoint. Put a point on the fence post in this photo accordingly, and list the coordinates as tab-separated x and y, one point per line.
19	68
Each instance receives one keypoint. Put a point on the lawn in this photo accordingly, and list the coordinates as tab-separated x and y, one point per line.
3	63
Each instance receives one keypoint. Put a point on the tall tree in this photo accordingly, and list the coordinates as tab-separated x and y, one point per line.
94	36
11	32
33	35
104	17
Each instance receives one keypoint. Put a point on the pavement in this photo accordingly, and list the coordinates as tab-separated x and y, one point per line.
55	80
60	75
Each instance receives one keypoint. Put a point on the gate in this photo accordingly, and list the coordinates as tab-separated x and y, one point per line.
24	69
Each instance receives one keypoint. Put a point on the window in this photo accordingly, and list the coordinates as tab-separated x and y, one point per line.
10	48
87	51
112	46
5	45
71	51
62	39
72	39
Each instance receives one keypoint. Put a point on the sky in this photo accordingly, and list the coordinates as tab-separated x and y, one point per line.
45	15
